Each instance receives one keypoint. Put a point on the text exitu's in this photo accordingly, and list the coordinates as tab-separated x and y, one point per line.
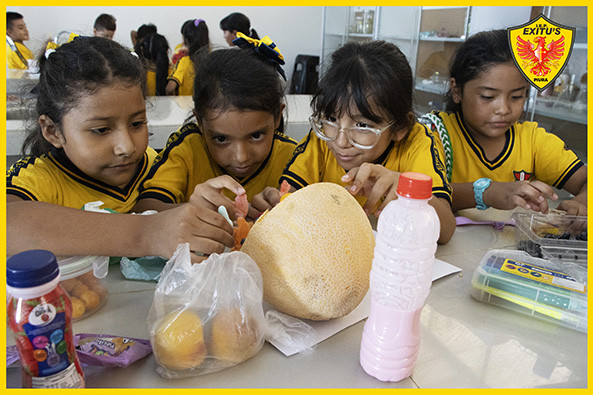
541	30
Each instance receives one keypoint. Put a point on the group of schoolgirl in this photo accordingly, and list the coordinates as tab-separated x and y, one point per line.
91	144
176	76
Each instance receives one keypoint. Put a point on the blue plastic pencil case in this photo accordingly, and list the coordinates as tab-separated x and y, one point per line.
515	280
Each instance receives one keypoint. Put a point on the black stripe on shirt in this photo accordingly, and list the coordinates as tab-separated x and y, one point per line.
174	140
62	162
159	194
21	193
479	151
294	180
565	176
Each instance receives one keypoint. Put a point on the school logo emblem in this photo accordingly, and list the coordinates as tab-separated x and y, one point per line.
541	49
522	175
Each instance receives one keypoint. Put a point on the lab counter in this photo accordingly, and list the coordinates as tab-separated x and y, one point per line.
464	343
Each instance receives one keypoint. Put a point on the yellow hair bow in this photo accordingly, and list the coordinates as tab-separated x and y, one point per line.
265	47
55	43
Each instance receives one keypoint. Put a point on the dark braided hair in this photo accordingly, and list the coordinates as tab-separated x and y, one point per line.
74	70
477	54
237	79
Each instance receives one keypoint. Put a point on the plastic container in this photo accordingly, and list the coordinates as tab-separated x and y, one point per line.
549	236
40	317
81	277
515	280
401	275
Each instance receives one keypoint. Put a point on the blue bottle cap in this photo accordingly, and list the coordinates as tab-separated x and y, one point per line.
31	268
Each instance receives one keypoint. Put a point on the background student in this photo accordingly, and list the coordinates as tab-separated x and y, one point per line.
495	160
104	26
153	49
17	54
238	100
364	133
144	30
236	22
91	144
195	39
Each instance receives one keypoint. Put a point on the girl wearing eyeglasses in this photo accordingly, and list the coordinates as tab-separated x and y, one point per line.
364	134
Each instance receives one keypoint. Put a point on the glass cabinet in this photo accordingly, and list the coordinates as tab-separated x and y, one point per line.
395	24
562	108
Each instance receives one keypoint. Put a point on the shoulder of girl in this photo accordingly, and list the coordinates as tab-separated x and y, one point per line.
283	137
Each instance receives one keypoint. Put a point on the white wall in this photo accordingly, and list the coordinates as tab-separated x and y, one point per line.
489	18
296	30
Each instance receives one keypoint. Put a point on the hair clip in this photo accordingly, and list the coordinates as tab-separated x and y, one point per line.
57	42
265	48
197	21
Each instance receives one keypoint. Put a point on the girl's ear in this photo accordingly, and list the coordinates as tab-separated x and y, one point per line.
455	91
51	132
279	117
402	132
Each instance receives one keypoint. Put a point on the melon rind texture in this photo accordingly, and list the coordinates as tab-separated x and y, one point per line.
315	250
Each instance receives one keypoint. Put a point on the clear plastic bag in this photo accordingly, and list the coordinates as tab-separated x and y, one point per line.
209	316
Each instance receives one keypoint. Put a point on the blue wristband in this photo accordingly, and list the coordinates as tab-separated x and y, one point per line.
479	187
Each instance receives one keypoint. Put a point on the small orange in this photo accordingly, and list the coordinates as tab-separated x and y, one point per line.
91	299
78	308
79	290
100	290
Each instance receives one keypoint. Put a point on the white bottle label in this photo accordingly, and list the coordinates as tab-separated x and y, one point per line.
42	314
67	378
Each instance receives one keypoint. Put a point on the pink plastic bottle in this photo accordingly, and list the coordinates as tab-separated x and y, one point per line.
407	234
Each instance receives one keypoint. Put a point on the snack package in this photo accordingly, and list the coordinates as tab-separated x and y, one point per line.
109	350
209	316
99	350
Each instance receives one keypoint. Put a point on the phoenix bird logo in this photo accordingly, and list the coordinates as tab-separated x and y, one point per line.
539	56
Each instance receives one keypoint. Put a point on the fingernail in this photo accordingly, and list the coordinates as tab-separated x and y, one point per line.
353	188
377	213
345	177
527	206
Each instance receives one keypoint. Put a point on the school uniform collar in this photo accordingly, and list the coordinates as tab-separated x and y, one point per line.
65	165
382	159
479	151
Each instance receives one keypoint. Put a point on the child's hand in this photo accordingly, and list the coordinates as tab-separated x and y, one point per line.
209	194
205	230
375	182
265	200
531	195
573	207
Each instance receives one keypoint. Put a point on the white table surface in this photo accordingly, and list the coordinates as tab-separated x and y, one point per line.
464	343
166	114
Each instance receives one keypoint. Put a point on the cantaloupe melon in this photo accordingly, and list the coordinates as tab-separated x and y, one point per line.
315	250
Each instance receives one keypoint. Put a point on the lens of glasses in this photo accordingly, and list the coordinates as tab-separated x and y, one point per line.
360	137
329	130
363	137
